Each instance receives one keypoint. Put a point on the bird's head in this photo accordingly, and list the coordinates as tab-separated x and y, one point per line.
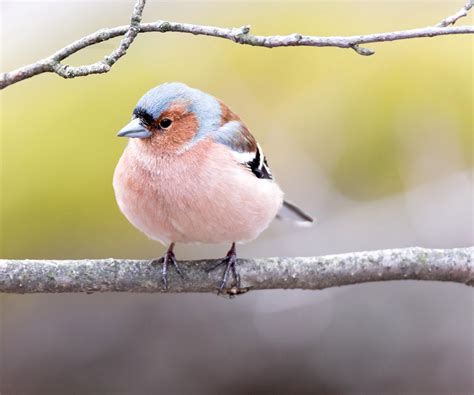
172	117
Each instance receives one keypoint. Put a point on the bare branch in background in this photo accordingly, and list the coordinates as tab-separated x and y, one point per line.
52	64
118	275
451	20
102	66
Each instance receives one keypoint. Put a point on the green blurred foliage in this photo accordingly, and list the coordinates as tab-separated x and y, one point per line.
356	117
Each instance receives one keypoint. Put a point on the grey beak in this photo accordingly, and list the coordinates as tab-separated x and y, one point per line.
134	129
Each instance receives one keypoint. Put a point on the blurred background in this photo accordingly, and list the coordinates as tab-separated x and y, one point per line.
379	148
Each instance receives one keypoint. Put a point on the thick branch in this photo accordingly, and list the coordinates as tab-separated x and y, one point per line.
52	64
118	275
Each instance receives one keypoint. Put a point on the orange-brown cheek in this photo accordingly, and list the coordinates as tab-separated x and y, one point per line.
170	140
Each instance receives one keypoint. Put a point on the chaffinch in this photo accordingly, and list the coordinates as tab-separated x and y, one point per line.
192	172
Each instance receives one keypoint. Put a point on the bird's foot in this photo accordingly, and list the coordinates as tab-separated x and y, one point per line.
230	263
166	260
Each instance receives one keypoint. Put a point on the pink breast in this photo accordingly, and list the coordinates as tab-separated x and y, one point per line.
202	195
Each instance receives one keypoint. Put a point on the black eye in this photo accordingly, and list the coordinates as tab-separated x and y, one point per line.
165	123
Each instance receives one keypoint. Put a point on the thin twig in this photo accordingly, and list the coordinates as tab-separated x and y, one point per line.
119	275
102	66
52	64
451	20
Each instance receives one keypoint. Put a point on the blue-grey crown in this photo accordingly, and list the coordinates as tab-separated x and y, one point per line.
205	107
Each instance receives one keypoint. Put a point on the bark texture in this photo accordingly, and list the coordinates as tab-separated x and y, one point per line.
241	35
119	275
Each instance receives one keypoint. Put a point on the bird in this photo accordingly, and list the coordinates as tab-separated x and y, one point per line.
192	172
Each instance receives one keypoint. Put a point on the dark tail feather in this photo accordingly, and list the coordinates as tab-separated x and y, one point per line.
289	212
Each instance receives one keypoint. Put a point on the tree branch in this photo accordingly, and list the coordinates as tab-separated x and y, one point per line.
52	64
102	66
451	20
118	275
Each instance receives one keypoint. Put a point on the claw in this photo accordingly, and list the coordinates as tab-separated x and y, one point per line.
166	260
231	266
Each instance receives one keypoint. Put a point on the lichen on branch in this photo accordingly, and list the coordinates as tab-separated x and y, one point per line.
310	273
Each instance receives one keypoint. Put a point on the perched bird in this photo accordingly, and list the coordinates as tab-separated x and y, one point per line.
192	172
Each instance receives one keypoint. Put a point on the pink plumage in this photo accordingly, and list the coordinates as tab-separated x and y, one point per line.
193	173
203	195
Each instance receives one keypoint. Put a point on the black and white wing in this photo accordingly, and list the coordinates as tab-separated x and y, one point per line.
248	152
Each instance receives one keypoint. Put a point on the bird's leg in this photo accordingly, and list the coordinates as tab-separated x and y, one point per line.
166	260
230	262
